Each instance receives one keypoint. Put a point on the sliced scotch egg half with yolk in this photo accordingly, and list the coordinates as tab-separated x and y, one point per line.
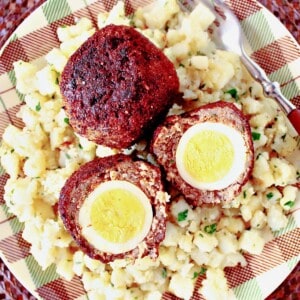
207	153
211	155
115	207
116	216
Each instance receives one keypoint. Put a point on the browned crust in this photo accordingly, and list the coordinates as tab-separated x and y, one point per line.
117	86
166	138
118	167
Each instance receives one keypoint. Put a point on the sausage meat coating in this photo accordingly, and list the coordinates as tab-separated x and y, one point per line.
117	167
117	86
166	138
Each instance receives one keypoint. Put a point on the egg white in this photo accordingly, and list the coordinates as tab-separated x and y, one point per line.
239	160
91	234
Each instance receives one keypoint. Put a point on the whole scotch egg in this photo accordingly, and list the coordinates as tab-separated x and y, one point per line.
109	83
115	207
207	153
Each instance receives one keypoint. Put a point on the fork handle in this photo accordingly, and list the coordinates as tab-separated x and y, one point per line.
272	89
294	117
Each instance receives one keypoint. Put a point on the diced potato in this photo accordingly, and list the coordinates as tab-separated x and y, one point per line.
25	76
159	12
251	241
199	62
181	286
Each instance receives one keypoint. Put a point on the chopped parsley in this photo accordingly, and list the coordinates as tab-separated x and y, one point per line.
256	136
38	107
290	204
164	273
80	146
201	272
234	93
244	194
269	195
131	20
56	81
182	215
66	120
210	228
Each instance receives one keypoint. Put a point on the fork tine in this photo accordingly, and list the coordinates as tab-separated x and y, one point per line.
228	34
225	10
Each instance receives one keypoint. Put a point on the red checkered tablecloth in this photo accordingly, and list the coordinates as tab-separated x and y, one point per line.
12	13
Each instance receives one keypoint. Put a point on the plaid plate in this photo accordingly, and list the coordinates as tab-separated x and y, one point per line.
269	43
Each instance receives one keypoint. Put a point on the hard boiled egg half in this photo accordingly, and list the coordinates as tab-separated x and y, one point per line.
116	216
211	155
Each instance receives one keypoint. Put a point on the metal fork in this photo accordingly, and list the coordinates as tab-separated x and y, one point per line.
228	35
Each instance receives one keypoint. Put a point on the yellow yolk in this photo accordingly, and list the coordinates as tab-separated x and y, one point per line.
117	215
208	156
211	156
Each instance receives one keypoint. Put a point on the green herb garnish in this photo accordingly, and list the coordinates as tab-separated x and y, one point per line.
234	94
38	107
182	215
131	21
290	204
210	228
256	136
201	272
66	120
269	195
164	273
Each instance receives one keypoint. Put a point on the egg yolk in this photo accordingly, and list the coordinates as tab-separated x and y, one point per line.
117	215
211	155
208	156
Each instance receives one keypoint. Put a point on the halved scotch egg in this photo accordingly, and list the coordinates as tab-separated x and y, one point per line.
207	153
115	207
